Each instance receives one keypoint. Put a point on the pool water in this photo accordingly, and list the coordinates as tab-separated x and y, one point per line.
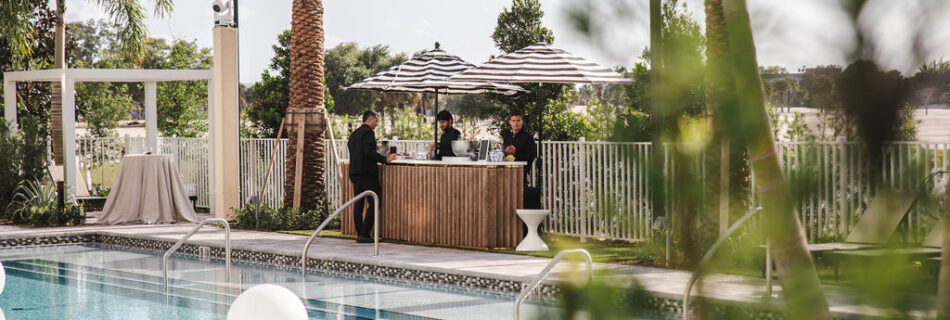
95	282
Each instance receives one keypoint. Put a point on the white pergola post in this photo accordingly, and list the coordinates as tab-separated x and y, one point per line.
9	104
151	116
69	135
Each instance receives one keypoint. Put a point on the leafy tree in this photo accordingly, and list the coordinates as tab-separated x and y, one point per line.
819	86
468	104
33	97
89	42
269	98
784	92
182	105
517	27
930	84
347	64
520	26
102	105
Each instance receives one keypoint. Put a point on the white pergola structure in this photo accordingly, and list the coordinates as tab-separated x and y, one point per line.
68	78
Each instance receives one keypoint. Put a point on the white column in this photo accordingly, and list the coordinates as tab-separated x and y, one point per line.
151	116
211	158
9	104
225	119
69	135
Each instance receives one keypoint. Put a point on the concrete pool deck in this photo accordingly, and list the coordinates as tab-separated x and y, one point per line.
661	283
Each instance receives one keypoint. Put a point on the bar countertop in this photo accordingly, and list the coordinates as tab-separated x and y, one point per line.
468	163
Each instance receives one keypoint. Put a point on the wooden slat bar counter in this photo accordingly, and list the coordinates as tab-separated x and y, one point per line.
466	204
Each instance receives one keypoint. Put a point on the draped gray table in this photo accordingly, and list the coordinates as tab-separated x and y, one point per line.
148	189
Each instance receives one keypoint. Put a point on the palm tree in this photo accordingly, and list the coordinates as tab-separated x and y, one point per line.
128	15
803	294
306	106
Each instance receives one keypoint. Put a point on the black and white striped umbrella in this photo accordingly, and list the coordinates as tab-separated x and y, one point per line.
429	73
540	63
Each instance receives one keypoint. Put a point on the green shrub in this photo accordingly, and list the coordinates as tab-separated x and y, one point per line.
9	166
33	148
35	204
280	219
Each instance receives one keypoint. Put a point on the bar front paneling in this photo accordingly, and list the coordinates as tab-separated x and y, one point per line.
464	205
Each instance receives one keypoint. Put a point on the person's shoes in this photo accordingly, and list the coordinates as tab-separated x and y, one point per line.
362	239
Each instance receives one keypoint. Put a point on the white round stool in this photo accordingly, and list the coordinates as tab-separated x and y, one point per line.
532	218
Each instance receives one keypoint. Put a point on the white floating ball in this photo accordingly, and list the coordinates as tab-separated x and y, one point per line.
267	301
3	281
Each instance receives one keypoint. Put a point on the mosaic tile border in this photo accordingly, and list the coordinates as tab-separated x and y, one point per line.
346	269
48	240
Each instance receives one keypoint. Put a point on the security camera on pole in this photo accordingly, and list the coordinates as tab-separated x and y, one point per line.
225	114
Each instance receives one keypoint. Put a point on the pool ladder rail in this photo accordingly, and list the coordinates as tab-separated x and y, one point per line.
227	249
547	269
368	193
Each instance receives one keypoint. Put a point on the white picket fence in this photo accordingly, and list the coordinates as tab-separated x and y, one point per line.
594	189
99	161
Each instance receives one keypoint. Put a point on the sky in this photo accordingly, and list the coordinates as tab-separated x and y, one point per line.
787	33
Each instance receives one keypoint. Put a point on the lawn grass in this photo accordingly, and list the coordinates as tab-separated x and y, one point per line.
618	252
909	278
102	174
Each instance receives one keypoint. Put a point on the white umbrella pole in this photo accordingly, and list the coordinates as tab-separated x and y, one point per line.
538	161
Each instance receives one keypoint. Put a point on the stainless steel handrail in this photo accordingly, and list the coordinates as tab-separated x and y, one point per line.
706	258
547	269
306	247
227	248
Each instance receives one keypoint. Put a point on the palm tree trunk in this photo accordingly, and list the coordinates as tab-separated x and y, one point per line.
306	105
56	110
804	298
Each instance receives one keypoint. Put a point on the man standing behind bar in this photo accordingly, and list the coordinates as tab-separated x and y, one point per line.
449	134
518	143
364	173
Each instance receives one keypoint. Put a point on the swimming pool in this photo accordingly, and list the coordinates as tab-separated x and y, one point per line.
92	281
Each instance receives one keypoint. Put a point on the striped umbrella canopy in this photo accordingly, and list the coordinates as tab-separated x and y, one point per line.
540	63
429	73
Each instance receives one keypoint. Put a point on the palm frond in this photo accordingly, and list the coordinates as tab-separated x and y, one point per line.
163	8
15	26
129	16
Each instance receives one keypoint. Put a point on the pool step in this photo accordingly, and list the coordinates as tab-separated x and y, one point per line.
150	288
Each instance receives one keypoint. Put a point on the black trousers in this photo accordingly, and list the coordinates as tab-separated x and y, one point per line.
364	226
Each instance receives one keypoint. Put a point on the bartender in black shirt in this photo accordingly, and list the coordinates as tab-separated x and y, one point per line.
519	143
449	134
